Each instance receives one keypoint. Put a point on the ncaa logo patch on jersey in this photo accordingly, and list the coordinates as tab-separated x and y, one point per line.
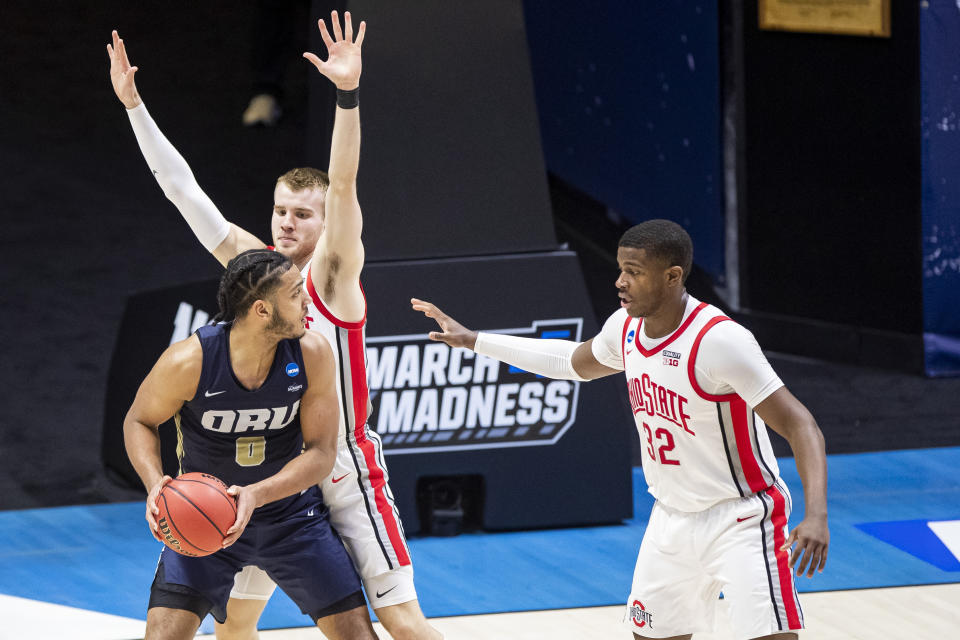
293	370
429	397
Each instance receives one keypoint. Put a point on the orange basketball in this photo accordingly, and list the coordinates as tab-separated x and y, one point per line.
195	513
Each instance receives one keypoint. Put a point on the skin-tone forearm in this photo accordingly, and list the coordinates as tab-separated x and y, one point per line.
344	221
143	448
302	472
345	145
810	454
810	539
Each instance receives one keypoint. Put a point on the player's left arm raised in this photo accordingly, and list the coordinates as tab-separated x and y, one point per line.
319	423
786	415
338	260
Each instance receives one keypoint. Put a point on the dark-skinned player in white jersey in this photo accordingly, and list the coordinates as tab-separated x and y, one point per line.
317	222
224	384
701	391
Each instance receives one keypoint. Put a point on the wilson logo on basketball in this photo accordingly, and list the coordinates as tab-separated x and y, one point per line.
169	539
429	397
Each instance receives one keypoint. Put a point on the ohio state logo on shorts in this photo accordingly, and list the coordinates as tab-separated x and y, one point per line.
640	616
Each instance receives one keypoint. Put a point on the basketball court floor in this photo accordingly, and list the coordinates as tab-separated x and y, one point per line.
893	570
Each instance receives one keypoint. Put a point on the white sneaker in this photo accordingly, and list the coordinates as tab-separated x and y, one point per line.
263	110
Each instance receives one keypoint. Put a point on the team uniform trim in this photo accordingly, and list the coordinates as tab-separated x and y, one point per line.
363	452
735	415
676	334
623	342
366	460
783	590
318	301
691	364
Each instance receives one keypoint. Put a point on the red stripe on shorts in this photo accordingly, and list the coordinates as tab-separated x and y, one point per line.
779	521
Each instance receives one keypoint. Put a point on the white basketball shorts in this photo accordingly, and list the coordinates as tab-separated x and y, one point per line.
363	512
687	559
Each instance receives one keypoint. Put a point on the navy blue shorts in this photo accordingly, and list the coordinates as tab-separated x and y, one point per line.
301	553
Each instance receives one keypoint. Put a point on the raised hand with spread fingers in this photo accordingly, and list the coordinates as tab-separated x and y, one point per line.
343	63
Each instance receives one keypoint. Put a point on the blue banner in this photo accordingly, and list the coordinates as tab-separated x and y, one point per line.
940	88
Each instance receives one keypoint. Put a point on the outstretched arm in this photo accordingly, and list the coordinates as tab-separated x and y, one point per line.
173	174
558	359
338	260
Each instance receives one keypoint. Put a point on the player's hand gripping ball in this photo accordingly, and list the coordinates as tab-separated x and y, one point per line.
195	513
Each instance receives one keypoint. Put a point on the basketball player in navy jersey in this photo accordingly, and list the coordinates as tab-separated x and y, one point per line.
701	392
235	389
317	222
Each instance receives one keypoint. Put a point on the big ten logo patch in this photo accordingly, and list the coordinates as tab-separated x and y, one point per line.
671	358
429	397
640	616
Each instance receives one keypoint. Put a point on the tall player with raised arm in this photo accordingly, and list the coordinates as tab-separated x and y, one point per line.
701	392
317	222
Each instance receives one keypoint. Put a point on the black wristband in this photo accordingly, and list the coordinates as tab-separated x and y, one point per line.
348	99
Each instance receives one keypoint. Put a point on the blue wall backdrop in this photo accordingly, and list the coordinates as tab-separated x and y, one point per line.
940	69
628	97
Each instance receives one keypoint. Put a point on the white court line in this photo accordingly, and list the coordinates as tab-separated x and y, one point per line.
23	619
862	614
865	614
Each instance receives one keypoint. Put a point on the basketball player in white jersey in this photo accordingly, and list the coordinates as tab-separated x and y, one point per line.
701	391
318	227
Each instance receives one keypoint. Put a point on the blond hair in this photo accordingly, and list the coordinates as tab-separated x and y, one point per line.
305	178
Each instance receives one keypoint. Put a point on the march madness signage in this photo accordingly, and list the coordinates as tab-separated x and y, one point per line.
530	439
429	397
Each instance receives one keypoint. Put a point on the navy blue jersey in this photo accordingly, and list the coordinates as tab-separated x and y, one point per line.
241	435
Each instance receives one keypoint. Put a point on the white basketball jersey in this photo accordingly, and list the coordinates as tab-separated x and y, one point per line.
699	448
347	340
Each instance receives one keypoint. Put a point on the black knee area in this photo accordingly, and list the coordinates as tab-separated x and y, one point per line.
352	601
178	596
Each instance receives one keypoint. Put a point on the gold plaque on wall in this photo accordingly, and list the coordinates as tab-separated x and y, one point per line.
851	17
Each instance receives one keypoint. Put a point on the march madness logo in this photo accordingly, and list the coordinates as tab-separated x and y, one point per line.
187	320
429	397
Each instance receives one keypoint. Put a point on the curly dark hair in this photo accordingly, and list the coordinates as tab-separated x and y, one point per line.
250	276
